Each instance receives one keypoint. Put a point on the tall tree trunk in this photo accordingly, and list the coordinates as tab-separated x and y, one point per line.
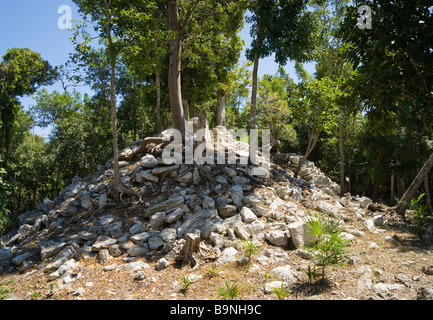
35	193
186	110
158	101
186	82
411	191
135	124
116	174
427	192
2	132
33	137
400	186
134	133
221	108
174	76
391	201
118	187
255	80
192	112
350	171
342	175
375	191
312	140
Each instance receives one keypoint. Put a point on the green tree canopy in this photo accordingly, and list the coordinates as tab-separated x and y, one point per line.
22	72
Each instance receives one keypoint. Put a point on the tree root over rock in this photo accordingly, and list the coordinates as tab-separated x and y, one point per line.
118	191
193	252
158	141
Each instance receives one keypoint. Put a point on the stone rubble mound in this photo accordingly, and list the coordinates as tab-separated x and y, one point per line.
220	203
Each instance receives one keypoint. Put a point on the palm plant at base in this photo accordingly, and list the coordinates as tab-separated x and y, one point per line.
328	247
281	293
229	292
250	248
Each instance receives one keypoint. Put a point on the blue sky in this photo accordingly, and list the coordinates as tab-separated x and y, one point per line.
34	24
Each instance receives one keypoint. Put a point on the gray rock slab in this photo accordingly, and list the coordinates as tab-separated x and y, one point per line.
146	175
247	215
149	161
137	251
284	273
227	211
162	264
106	220
30	217
155	243
168	235
18	260
299	233
50	248
137	266
237	195
208	203
277	238
161	170
166	206
138	228
186	178
196	222
228	255
6	254
102	201
157	220
103	242
175	215
140	238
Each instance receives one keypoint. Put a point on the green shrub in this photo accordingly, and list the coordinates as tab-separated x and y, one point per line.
419	214
7	222
328	247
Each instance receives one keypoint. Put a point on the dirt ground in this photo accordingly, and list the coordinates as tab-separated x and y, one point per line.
391	264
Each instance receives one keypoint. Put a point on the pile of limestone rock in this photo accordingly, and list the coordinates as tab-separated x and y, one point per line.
219	203
313	175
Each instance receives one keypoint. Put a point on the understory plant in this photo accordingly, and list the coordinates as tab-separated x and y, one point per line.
229	291
419	215
7	222
213	271
250	248
5	289
327	246
4	214
311	272
281	293
266	275
186	283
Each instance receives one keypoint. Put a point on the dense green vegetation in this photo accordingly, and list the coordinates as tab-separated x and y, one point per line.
364	116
